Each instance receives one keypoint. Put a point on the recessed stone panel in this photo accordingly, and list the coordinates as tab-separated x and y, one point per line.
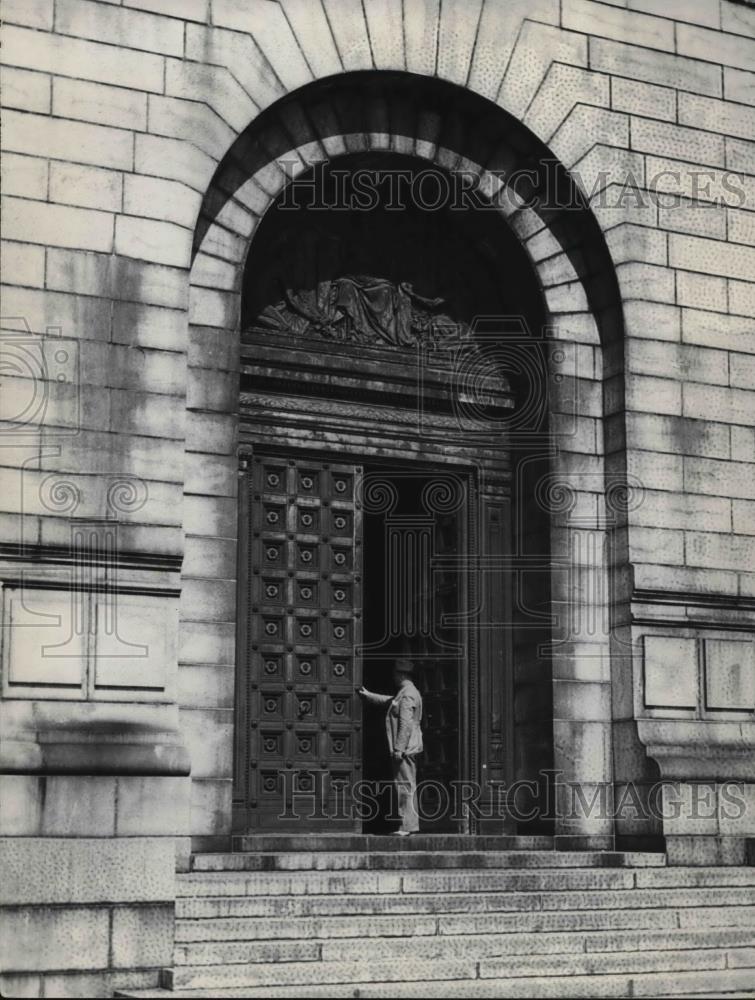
670	672
730	675
135	641
45	643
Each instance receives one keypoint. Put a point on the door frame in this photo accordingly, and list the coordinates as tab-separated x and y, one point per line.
310	399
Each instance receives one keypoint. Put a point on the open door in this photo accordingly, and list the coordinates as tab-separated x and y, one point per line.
298	735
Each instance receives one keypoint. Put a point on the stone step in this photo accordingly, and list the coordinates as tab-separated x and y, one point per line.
391	927
398	859
420	919
311	883
695	915
480	904
364	843
695	877
440	946
649	984
256	929
402	970
730	983
219	883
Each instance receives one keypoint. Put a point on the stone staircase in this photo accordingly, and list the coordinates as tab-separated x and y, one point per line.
452	916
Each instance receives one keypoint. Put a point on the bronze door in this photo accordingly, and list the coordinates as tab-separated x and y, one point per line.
298	722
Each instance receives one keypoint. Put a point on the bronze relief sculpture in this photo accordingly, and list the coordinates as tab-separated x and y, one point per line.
360	309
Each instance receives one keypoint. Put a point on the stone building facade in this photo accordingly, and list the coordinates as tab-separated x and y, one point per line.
146	144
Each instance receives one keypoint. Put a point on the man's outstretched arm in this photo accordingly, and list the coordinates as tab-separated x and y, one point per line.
372	698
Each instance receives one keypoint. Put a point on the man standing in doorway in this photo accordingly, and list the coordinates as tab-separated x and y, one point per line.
402	726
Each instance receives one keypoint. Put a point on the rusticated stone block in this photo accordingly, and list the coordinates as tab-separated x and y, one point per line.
666	139
739	85
711	257
701	291
158	242
585	127
39	135
23	175
83	59
685	215
86	870
132	28
23	264
654	395
730	49
653	320
236	51
644	99
209	736
138	325
664	68
58	225
152	806
164	156
615	22
210	558
670	510
207	642
661	545
689	578
646	282
720	403
272	34
705	475
74	984
211	475
26	91
205	685
536	48
210	807
716	116
189	10
142	936
57	805
100	103
697	849
39	938
34	13
653	432
310	27
717	330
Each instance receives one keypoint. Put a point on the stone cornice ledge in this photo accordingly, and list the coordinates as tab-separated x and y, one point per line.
86	738
700	749
28	757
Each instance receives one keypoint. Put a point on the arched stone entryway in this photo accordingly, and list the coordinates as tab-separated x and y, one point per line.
463	134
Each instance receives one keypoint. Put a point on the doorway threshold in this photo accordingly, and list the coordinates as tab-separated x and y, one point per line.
342	853
316	842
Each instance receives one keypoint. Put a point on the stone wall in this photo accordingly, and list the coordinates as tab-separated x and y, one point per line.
121	353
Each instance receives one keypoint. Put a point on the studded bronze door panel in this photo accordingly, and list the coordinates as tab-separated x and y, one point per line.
300	736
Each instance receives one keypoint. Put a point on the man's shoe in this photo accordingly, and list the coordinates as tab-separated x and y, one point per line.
402	833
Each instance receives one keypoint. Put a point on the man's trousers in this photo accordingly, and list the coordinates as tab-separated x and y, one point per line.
405	776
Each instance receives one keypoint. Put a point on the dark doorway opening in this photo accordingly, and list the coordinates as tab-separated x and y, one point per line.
414	599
